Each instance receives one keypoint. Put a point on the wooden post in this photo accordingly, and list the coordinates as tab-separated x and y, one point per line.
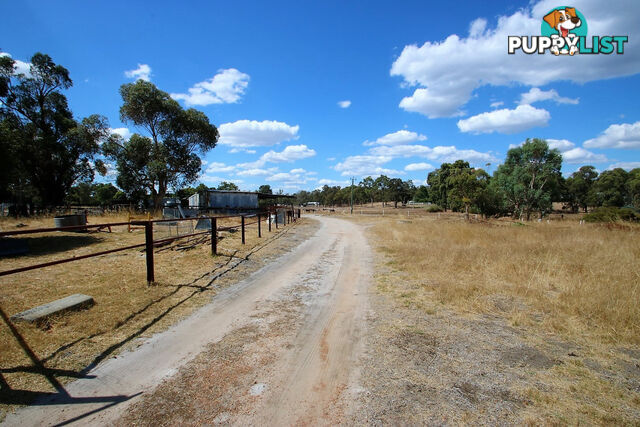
214	236
148	235
242	222
299	213
269	215
276	212
259	229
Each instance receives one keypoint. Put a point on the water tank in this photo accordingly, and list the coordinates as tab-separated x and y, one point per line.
70	220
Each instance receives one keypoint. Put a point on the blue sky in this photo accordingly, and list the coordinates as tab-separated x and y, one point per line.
424	82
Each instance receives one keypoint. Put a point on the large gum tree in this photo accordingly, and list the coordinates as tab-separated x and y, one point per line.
529	177
167	155
45	149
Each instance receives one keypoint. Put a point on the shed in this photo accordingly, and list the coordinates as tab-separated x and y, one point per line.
219	199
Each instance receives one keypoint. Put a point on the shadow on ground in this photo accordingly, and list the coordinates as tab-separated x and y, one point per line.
44	245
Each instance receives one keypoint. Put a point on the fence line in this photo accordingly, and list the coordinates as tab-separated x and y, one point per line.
150	243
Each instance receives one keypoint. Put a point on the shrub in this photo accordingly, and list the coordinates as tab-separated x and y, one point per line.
612	214
434	208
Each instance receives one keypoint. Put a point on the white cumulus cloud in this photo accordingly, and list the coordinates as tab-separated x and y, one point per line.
412	167
445	73
626	135
344	104
365	165
291	153
507	121
560	144
251	133
124	133
537	95
374	160
582	156
226	87
292	179
242	150
143	72
624	165
256	172
20	67
217	167
397	138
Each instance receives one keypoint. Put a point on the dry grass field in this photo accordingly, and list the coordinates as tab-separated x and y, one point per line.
562	298
563	277
126	307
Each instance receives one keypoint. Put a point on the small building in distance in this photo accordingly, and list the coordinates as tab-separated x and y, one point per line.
225	200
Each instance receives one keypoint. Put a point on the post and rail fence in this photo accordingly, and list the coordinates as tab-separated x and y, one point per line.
150	243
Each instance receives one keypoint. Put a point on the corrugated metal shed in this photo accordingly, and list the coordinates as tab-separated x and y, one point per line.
218	199
233	200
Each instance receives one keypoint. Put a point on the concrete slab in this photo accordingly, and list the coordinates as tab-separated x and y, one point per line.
72	302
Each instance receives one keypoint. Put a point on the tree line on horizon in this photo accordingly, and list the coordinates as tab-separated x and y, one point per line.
527	183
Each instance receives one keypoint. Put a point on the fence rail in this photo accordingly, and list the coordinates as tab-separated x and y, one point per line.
150	243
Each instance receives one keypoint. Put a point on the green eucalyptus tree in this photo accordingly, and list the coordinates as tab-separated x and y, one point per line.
633	187
579	188
610	189
466	186
167	157
48	150
227	186
528	177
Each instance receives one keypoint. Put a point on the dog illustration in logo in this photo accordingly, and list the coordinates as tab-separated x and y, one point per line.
563	20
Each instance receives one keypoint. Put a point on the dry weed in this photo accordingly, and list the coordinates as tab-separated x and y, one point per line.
564	276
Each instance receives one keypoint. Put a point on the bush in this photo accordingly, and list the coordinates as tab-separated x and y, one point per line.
433	208
612	214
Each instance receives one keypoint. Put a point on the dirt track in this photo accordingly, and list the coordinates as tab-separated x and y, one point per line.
281	347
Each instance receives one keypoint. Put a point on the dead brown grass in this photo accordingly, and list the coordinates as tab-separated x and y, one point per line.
563	276
562	285
126	308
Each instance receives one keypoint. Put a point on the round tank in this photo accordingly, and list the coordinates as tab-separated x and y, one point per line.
70	220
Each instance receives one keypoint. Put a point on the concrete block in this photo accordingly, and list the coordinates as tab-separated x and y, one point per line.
72	302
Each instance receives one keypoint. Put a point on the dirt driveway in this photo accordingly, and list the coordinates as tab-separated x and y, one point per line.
281	347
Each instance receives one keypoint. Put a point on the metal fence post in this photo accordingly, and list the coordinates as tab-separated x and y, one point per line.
269	215
259	229
148	236
242	219
214	236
